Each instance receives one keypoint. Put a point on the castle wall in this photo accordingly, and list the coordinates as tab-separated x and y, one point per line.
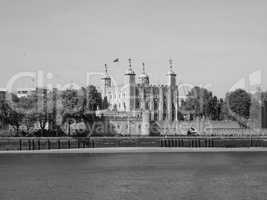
165	98
125	127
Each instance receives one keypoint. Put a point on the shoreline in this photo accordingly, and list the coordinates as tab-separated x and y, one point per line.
136	150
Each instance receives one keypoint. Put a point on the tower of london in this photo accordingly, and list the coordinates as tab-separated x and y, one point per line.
139	99
137	94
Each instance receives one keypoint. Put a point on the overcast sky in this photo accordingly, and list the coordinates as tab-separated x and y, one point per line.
211	42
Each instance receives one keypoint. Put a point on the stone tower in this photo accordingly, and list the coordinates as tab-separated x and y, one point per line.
171	92
107	81
144	78
130	88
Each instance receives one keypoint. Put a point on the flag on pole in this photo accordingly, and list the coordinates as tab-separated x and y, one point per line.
116	60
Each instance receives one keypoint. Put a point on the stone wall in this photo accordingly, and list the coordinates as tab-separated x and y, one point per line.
20	144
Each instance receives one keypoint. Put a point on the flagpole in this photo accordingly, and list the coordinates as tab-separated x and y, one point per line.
117	61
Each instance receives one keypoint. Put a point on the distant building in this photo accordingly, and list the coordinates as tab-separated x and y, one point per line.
24	92
3	93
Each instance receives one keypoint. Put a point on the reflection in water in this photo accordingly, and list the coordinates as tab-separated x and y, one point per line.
200	176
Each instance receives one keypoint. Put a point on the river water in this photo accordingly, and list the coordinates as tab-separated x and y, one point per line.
201	176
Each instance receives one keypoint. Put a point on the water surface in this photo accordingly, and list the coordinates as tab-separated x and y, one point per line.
201	176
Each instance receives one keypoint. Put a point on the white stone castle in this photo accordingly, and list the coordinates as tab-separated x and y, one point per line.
138	96
143	102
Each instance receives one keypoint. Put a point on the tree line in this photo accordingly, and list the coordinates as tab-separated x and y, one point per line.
238	105
42	113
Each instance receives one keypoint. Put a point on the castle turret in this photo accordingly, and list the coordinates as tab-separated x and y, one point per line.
130	90
171	76
161	102
171	87
151	103
144	78
107	81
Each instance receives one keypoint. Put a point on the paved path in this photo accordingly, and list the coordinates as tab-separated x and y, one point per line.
138	150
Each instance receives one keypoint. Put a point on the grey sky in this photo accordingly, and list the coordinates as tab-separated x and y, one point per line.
210	42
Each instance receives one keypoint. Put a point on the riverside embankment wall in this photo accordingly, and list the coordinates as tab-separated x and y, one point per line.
13	143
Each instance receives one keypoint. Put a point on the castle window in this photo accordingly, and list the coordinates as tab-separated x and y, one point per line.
156	105
164	114
164	105
137	104
115	107
173	111
156	116
137	92
147	105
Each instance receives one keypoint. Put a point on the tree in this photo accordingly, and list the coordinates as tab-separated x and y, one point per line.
29	120
238	104
27	106
220	109
11	116
198	102
42	119
74	102
213	108
80	105
70	100
105	103
94	102
94	99
4	111
15	119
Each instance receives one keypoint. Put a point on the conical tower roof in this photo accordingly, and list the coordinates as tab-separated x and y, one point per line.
106	75
144	78
130	70
171	72
143	74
